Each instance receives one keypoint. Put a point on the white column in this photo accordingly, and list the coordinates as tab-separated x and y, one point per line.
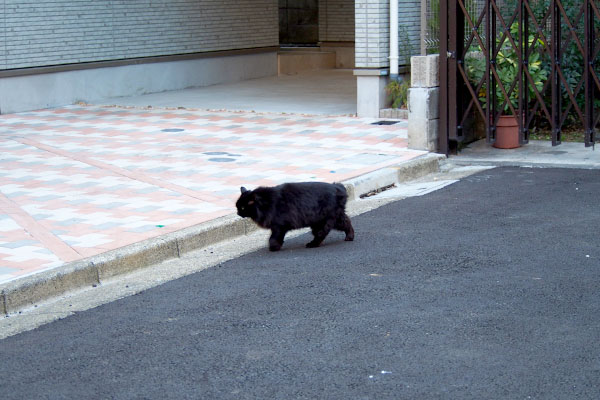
393	39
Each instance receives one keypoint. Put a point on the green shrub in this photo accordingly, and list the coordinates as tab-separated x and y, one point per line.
397	92
507	68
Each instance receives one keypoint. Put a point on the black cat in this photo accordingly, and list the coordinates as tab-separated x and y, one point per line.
318	205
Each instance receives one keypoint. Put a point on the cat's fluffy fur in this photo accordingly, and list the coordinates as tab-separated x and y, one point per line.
320	206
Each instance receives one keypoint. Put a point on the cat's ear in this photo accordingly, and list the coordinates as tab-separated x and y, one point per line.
243	189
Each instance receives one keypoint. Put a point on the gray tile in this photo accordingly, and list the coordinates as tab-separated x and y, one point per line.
116	188
14	194
85	185
20	243
146	209
158	169
183	211
47	198
149	189
142	229
69	222
55	182
108	225
77	202
39	217
22	179
112	205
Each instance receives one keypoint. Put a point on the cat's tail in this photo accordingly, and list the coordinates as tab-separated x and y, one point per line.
341	195
342	221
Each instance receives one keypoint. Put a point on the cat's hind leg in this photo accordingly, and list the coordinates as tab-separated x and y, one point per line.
320	231
342	223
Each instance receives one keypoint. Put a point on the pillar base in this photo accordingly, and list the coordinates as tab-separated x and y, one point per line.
370	91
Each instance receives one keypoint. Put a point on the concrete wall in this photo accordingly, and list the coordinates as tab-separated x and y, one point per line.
45	43
22	93
52	32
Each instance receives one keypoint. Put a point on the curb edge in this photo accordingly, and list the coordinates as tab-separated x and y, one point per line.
27	291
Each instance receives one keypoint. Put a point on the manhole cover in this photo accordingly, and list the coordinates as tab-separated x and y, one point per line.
221	159
385	122
172	130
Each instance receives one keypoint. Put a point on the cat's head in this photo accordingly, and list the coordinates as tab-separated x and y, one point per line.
246	204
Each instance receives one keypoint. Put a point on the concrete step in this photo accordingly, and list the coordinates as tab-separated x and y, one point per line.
292	61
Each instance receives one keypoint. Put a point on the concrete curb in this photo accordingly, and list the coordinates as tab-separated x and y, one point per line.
528	164
413	169
27	291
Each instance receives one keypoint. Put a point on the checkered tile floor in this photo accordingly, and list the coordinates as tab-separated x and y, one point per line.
81	180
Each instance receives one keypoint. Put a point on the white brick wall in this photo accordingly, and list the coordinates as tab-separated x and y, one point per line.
372	31
2	38
336	20
53	32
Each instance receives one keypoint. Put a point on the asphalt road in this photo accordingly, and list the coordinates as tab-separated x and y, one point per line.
486	289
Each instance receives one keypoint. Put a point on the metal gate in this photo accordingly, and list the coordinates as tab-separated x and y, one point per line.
530	58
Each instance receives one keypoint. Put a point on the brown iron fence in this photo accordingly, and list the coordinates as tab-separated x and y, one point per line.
535	59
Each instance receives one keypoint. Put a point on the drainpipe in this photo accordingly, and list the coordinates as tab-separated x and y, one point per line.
393	40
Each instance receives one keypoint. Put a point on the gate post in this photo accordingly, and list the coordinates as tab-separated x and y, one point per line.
556	55
423	103
451	84
444	133
589	81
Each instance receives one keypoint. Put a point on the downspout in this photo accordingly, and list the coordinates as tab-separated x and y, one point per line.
393	40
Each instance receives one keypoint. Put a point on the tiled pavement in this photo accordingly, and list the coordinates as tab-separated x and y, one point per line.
81	180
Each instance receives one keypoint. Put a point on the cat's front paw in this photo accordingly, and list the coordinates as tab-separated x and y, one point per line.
274	247
312	245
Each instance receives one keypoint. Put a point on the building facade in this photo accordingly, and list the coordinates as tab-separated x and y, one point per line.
57	52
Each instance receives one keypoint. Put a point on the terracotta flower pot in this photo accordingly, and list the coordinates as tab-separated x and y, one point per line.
507	132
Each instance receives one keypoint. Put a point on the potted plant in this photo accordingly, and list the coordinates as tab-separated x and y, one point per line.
507	69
